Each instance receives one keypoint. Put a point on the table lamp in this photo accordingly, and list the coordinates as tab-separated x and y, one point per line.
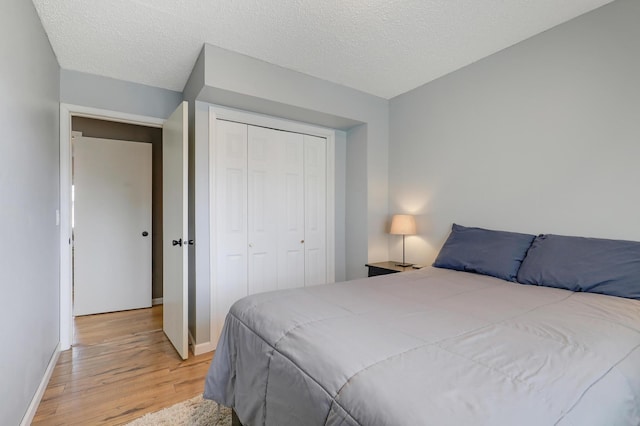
403	224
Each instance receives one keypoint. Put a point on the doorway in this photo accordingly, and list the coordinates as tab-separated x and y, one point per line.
117	181
174	218
63	216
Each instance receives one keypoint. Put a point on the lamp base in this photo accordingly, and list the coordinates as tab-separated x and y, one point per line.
404	265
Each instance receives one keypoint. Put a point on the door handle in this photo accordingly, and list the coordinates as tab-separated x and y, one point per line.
176	242
190	242
145	233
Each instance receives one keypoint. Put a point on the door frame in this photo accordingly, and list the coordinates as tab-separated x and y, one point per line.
67	111
225	113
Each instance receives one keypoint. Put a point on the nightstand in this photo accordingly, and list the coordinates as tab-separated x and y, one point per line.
384	268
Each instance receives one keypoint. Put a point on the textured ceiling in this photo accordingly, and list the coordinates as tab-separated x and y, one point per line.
382	47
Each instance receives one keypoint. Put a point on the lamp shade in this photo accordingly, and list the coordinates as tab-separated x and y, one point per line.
403	224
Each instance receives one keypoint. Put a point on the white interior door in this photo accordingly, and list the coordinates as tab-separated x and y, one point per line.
175	229
112	211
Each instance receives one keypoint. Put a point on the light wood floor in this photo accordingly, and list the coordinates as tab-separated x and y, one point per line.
120	367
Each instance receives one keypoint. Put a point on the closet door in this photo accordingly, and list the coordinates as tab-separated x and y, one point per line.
291	234
230	217
264	158
276	210
315	208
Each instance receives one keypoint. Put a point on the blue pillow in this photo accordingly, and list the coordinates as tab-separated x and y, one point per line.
495	253
584	264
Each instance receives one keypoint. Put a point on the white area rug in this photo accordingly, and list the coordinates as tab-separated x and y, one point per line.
193	412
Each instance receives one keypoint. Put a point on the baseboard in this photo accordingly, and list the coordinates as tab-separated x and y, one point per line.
35	401
157	301
200	348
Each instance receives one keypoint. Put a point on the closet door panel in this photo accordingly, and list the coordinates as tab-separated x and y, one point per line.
291	238
264	158
315	210
230	217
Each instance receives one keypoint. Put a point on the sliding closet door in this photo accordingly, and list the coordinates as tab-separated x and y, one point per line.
315	208
230	217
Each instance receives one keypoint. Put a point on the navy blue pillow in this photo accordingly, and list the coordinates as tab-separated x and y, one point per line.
584	264
483	251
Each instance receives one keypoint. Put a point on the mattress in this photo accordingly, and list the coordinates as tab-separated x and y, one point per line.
429	347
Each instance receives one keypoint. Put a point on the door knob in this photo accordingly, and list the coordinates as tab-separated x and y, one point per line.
145	233
190	242
176	242
301	241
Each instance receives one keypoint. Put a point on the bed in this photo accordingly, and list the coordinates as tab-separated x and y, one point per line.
433	346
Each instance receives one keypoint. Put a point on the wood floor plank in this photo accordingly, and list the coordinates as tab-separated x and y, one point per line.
120	367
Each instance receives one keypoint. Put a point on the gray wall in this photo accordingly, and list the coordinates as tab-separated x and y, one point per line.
226	78
541	137
95	91
340	205
246	83
199	281
356	196
29	176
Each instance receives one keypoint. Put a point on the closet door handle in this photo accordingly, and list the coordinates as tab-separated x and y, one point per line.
176	242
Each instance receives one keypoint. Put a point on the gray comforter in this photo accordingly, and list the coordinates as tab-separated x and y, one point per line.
430	347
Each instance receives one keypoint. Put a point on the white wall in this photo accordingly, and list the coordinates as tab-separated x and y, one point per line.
541	137
29	192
